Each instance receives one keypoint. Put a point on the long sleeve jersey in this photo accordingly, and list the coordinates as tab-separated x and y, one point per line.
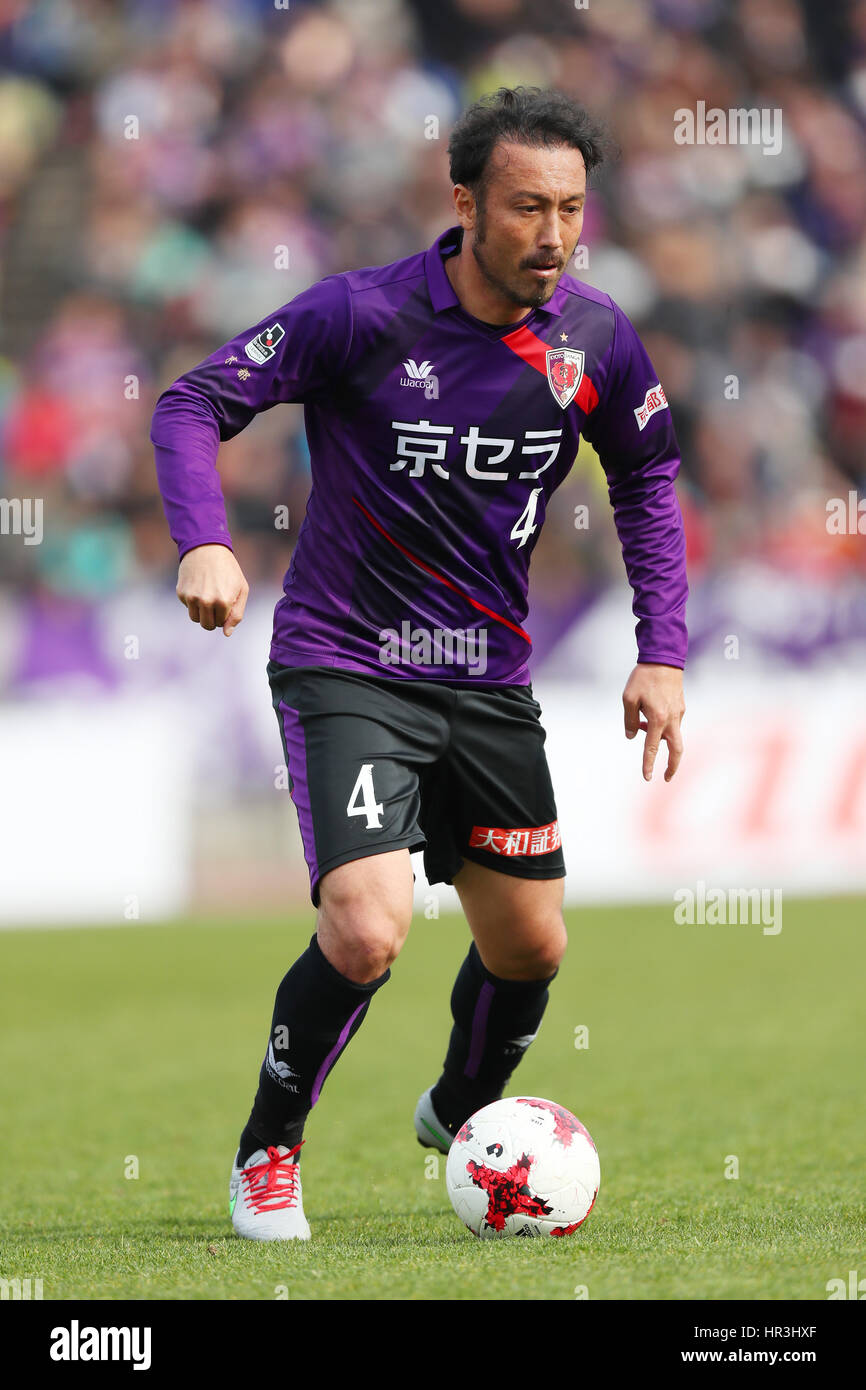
436	442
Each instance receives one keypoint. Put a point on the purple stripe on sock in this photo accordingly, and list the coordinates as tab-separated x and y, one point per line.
334	1053
479	1029
296	754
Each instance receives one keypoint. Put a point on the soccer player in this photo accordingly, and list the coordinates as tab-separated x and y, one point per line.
444	396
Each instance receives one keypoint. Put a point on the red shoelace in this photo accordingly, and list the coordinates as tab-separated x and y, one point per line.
281	1181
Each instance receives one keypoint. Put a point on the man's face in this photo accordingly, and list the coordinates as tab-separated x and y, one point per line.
525	228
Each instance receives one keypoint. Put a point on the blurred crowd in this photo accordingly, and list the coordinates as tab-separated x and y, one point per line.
154	154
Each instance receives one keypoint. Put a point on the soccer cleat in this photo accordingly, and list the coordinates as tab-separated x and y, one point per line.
265	1196
429	1128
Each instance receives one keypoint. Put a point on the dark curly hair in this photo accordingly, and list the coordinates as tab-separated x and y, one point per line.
526	116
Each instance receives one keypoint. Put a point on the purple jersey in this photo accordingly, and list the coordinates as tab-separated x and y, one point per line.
436	441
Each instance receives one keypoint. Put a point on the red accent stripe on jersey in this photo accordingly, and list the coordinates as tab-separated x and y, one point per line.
441	577
534	352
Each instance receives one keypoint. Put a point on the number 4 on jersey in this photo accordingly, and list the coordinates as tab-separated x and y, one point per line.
524	525
367	805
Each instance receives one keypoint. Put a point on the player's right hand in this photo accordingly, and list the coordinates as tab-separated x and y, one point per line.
211	584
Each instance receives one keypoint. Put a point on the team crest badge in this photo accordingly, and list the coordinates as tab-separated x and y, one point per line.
263	346
564	373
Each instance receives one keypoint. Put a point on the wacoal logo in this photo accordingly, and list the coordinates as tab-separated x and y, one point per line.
280	1071
416	373
421	374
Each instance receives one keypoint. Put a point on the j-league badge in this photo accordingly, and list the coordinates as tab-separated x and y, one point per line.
261	348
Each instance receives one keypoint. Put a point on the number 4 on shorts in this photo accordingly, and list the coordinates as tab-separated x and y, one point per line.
363	801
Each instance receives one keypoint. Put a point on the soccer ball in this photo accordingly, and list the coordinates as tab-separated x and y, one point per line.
523	1167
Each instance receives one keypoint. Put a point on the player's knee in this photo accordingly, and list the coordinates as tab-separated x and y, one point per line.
361	938
535	954
366	956
360	956
550	949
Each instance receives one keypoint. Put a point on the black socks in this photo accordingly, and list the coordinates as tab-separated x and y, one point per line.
316	1013
494	1023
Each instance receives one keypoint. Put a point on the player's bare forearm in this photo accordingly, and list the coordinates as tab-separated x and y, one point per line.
653	704
211	584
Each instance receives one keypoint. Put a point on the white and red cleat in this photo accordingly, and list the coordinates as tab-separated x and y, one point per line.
431	1132
265	1196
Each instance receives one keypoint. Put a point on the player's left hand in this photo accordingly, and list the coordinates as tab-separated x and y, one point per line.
656	692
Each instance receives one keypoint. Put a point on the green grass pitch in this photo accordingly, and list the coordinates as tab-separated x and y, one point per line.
705	1042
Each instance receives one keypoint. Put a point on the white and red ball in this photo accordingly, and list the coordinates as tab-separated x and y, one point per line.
523	1166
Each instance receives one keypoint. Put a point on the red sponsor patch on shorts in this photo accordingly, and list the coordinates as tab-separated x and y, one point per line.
534	839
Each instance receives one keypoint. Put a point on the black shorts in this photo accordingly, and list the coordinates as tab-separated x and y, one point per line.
384	763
